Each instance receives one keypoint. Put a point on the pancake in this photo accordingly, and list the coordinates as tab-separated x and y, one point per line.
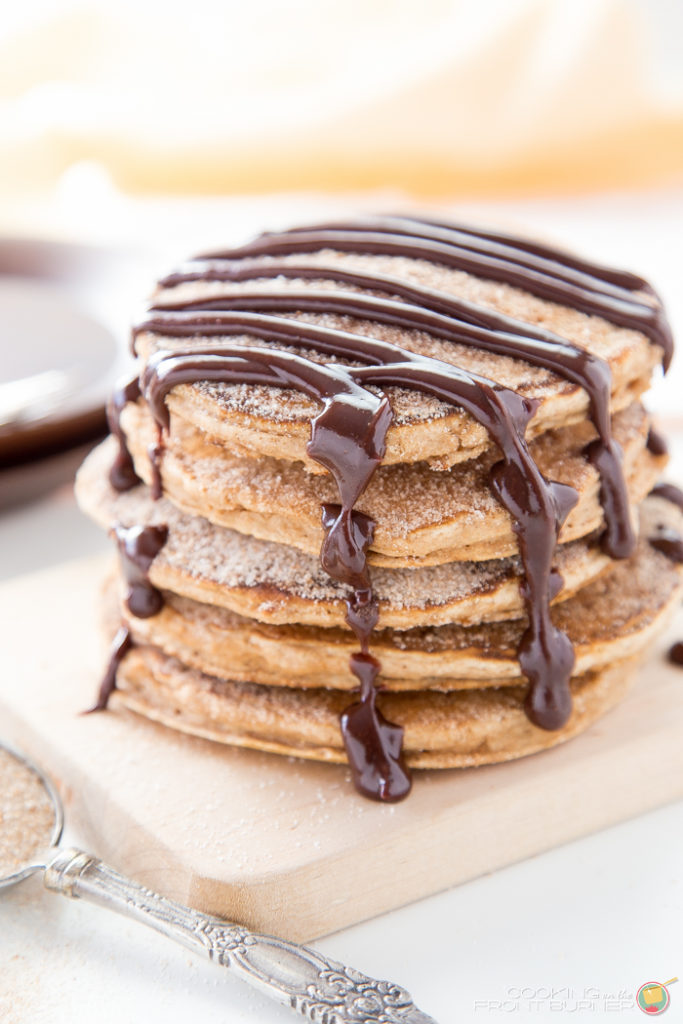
611	619
266	420
423	517
279	584
442	730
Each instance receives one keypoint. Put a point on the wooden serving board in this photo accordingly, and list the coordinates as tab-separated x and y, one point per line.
287	846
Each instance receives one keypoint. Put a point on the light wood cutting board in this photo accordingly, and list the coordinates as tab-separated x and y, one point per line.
287	846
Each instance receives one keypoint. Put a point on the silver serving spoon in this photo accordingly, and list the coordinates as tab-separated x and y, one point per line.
321	989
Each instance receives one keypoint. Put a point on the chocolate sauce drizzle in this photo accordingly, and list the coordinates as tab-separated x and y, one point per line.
544	272
670	493
348	436
545	654
671	545
675	654
138	547
656	443
536	346
121	644
122	475
666	540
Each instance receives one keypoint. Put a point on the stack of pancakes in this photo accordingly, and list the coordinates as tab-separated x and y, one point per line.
246	639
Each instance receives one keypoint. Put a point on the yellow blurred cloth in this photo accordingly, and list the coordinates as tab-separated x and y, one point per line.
440	97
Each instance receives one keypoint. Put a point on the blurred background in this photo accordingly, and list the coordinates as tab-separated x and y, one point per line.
441	98
133	132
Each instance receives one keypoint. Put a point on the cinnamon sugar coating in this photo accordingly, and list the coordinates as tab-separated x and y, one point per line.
276	583
441	516
442	730
269	421
613	618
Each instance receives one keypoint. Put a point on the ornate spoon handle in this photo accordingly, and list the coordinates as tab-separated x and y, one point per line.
323	990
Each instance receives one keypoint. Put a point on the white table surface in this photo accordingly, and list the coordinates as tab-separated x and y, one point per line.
571	934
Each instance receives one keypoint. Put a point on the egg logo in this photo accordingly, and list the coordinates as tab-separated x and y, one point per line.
653	997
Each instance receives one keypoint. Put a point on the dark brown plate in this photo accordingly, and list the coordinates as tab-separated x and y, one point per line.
64	311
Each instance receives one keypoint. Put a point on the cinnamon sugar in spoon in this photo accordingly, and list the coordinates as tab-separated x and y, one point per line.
320	989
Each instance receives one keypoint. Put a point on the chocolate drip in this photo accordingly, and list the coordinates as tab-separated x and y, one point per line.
541	348
121	644
373	745
669	543
155	453
122	475
551	279
670	493
676	653
666	540
656	444
619	538
138	547
623	278
452	320
348	437
538	508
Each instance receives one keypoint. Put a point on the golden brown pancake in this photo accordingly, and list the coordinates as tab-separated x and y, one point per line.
423	517
611	619
279	584
442	730
267	420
